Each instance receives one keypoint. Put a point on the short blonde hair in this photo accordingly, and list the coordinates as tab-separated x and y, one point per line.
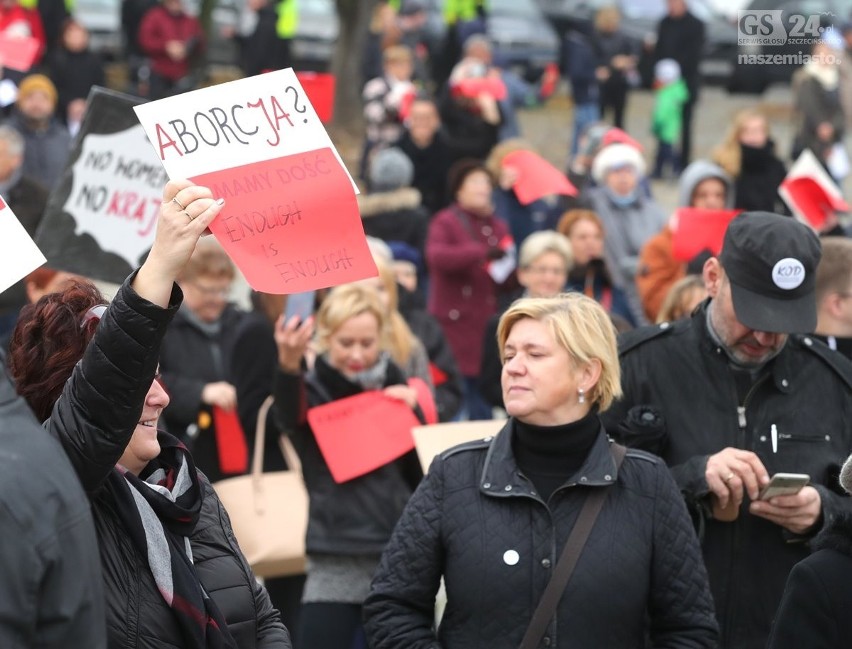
675	304
345	302
582	328
538	243
397	54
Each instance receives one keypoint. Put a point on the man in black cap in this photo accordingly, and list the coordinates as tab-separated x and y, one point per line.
733	395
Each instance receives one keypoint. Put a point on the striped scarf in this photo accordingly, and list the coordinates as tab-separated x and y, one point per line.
160	509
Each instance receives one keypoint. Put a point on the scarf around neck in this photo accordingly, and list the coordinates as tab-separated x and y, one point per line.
160	509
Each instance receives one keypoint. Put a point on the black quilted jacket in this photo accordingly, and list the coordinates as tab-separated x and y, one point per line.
94	420
477	521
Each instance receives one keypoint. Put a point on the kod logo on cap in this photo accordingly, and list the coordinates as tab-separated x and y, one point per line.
789	273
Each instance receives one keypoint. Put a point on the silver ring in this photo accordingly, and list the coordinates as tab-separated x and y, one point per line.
179	204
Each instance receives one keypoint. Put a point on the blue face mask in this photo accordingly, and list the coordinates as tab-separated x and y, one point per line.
622	201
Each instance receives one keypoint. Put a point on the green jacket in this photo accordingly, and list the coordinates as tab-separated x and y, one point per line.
667	118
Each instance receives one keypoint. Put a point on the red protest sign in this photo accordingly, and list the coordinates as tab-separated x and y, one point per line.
230	441
812	201
359	434
319	87
472	87
537	178
291	224
425	399
698	230
19	53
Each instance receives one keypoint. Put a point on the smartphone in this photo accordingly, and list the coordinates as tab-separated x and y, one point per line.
300	304
784	484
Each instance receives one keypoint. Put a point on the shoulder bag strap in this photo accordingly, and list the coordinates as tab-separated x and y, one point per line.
568	560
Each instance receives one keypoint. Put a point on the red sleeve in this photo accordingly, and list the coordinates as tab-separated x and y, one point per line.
151	35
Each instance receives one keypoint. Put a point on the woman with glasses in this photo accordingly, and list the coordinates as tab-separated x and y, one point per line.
173	573
197	354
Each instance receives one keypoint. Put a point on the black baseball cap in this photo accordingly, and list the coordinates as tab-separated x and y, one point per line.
771	262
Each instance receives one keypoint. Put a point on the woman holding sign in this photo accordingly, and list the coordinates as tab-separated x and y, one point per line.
350	520
173	573
494	517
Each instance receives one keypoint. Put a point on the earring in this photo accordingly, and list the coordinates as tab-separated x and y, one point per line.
582	395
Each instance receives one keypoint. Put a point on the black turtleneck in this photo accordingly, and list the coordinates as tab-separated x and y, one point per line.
550	455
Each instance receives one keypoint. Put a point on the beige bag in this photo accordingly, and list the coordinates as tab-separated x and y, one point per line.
269	511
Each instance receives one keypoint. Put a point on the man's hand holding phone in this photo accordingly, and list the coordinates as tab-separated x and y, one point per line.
731	473
797	512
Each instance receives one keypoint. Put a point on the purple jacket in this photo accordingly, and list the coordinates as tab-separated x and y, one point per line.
462	294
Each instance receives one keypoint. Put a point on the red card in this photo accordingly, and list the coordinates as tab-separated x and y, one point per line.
230	441
699	230
474	86
537	178
319	87
19	53
813	202
291	224
359	434
425	399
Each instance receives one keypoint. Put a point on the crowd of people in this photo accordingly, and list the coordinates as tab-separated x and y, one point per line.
648	399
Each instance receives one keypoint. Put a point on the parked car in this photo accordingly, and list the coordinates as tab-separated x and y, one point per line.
755	71
639	19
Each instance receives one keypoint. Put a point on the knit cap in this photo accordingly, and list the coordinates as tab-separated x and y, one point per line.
35	83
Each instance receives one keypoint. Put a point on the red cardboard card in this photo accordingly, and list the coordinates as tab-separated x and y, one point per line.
813	202
230	441
319	87
359	434
18	53
698	229
472	87
537	178
291	224
425	399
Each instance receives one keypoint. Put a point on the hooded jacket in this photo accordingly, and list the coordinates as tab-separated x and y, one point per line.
639	575
658	269
805	392
396	215
814	610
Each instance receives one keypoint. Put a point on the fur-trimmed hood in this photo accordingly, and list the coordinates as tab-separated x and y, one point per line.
406	198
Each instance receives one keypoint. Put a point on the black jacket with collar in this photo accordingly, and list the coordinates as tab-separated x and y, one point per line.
94	420
356	517
814	611
806	392
478	522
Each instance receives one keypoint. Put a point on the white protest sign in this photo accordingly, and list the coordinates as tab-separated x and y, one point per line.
19	254
234	124
116	192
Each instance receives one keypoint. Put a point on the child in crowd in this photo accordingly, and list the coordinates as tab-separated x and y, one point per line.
671	95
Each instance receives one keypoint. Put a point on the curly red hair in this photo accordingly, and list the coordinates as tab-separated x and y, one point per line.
48	340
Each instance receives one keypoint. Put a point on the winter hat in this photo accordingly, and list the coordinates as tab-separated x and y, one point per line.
390	169
35	83
616	156
667	71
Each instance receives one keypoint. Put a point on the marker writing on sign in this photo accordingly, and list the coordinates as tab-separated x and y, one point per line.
239	123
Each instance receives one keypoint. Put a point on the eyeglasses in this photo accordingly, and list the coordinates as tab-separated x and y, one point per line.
547	270
212	291
95	313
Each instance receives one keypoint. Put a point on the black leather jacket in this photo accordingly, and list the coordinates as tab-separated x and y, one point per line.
806	393
94	419
477	521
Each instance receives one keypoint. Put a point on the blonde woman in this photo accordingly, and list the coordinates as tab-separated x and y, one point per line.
349	523
492	517
747	154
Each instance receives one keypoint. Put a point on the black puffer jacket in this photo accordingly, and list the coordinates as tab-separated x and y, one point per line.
806	393
354	518
94	419
476	521
814	611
